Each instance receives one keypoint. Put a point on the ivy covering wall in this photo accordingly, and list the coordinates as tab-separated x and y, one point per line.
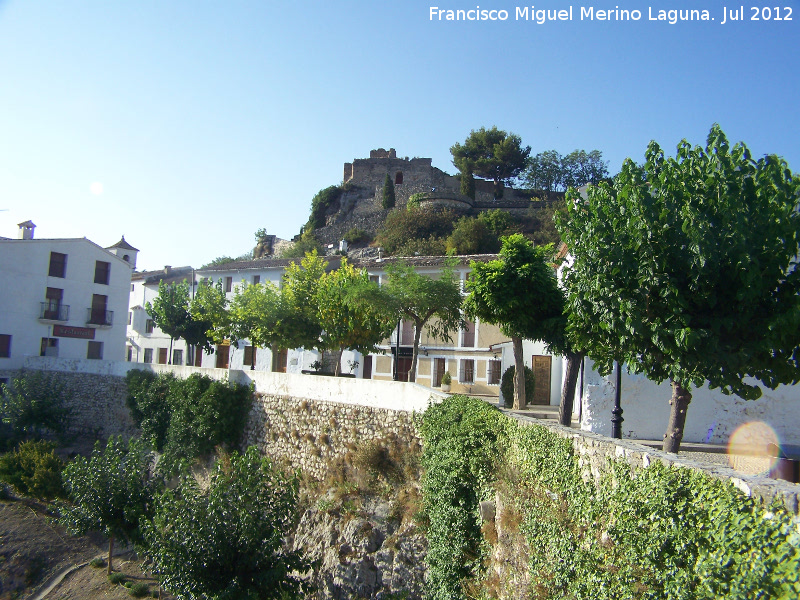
658	532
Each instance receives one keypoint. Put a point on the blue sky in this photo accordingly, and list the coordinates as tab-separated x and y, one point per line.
202	121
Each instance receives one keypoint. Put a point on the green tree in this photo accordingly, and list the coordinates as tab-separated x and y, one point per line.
685	269
347	321
545	171
259	313
519	293
321	203
491	154
429	302
388	199
551	172
170	312
111	492
467	183
300	283
225	541
581	167
209	308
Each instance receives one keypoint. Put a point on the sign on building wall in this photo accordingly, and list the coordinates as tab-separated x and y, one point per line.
84	333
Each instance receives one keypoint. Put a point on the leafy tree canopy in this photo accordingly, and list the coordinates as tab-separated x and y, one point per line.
419	298
552	172
225	541
519	293
300	283
209	310
110	492
347	321
685	269
491	154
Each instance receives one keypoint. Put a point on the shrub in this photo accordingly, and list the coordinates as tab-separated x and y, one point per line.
33	404
116	578
33	469
403	227
187	418
356	236
306	244
507	386
139	590
447	378
97	563
205	414
149	402
320	204
414	201
462	439
472	236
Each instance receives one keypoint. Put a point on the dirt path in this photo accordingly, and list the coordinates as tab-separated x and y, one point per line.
33	550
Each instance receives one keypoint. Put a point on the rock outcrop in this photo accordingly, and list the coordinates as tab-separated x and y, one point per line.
362	554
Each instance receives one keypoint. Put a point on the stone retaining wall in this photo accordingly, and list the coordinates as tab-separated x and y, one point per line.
309	434
97	404
594	450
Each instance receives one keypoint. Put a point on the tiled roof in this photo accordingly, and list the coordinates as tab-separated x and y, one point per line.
124	245
171	275
424	261
264	263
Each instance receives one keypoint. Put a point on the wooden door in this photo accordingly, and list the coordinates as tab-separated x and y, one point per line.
162	356
438	371
223	354
279	360
403	367
366	373
541	371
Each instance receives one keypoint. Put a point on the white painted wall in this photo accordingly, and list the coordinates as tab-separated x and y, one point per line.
24	279
529	349
712	416
394	395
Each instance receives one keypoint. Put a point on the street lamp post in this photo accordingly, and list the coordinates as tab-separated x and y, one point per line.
616	418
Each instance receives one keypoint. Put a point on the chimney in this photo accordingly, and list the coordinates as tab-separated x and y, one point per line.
26	230
167	269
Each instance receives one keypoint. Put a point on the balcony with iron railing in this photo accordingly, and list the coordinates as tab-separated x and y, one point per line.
53	311
103	318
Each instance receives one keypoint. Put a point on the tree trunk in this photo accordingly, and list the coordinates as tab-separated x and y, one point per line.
519	374
253	360
574	360
110	554
679	404
412	373
169	358
338	368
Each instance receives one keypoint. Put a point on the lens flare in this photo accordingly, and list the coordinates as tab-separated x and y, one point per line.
753	448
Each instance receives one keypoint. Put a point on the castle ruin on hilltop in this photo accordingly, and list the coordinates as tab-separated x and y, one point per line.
360	204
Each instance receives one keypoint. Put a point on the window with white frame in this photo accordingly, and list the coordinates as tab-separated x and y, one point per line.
467	370
493	372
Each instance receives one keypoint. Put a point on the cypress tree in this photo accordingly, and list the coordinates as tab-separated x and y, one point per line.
388	192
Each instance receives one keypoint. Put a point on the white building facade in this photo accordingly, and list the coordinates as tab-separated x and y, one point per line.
62	298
